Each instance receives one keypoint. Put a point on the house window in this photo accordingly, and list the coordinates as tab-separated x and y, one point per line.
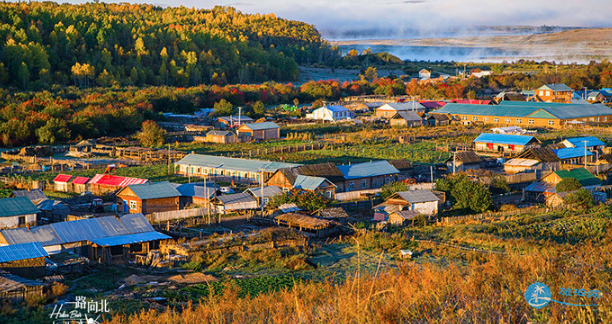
328	194
21	220
133	204
551	122
592	120
548	93
486	119
507	120
397	122
364	183
352	185
386	113
496	120
518	120
531	122
475	118
464	117
605	119
541	93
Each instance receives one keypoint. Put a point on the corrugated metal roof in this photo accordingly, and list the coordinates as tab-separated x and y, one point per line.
130	239
17	206
220	162
407	115
238	198
154	191
80	180
268	191
62	178
261	126
112	226
402	106
368	169
136	223
234	119
21	252
590	141
117	181
504	139
197	190
555	87
541	187
417	196
522	162
585	177
45	235
78	230
18	236
219	133
33	195
307	183
335	108
524	109
571	152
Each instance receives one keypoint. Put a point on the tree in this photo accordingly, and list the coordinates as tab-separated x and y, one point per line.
82	73
370	74
390	188
307	200
55	130
581	197
568	184
258	110
151	134
223	108
465	193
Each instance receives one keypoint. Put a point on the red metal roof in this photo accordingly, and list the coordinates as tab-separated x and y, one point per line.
471	101
117	181
433	104
62	178
80	180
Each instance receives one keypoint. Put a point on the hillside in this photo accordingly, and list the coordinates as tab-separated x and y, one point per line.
43	44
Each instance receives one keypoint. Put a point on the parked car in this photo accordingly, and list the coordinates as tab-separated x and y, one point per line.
226	190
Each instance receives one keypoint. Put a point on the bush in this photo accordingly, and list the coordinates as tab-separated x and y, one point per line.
568	184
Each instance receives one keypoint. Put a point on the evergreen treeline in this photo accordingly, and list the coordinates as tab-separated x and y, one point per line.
45	44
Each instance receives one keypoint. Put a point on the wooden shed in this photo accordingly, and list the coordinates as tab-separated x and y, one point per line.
308	224
61	182
462	161
15	289
260	131
218	136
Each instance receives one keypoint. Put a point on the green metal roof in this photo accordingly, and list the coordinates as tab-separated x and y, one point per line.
17	206
155	190
521	109
585	177
307	182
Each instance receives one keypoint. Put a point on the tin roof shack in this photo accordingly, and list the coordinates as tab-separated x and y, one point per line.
91	237
592	143
401	217
17	212
504	143
315	184
406	118
269	192
148	198
307	224
519	165
235	203
197	193
26	260
424	202
35	195
438	120
60	182
105	183
368	175
232	121
260	131
545	155
79	184
285	178
462	161
389	110
235	169
217	136
574	156
541	190
15	289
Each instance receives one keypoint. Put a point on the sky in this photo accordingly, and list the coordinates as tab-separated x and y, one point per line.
420	17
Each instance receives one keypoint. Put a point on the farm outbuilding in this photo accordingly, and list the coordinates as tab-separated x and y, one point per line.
26	260
307	224
15	289
104	183
61	182
269	192
148	198
17	212
260	131
218	136
406	118
462	161
331	113
235	202
501	143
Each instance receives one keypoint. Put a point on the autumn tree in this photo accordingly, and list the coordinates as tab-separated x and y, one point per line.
151	135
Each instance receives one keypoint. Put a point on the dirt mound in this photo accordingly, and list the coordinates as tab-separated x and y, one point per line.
190	278
136	280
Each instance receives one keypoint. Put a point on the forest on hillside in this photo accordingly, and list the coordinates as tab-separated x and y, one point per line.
46	44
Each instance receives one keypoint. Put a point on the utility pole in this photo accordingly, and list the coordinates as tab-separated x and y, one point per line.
431	170
585	154
168	161
261	180
454	161
239	115
207	199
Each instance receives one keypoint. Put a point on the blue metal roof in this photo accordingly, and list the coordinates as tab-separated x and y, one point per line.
18	236
368	169
197	190
220	162
590	141
17	206
22	252
78	230
504	139
571	152
130	239
112	226
154	191
335	108
307	182
136	223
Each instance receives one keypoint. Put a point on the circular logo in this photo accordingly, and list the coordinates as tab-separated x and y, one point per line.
538	295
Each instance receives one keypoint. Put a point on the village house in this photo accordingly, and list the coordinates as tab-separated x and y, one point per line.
269	192
232	121
15	289
432	105
423	202
463	161
387	111
424	74
235	203
25	260
106	239
196	193
509	96
574	156
556	92
548	160
406	118
368	175
34	195
105	183
80	184
285	178
61	182
17	212
315	184
438	120
148	198
331	113
592	143
541	190
217	136
231	169
260	131
502	143
528	114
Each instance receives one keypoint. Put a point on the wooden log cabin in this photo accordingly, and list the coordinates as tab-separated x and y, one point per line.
148	198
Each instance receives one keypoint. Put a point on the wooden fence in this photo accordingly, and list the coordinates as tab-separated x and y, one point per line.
460	247
280	149
490	215
175	215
